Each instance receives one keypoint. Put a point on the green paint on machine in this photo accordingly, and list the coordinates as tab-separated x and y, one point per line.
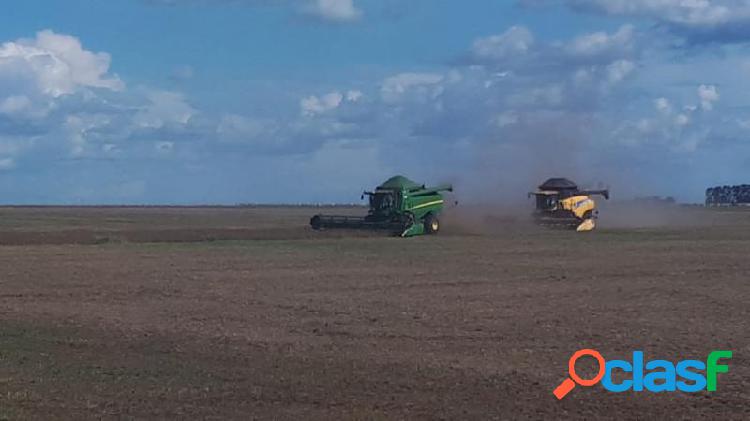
399	205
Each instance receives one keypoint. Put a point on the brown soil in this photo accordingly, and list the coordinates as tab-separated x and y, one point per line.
281	322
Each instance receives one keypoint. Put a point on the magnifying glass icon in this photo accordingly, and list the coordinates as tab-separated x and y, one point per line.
570	383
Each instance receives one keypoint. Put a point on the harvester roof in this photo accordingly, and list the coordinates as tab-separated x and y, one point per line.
400	182
558	184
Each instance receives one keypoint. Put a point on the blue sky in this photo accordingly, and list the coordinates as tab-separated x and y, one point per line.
229	101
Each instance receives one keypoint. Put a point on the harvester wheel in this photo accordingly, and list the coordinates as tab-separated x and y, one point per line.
315	222
431	224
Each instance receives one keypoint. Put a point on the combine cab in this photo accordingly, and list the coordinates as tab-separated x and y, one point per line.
399	206
559	203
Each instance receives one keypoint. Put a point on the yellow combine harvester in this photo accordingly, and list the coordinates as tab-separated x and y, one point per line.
559	203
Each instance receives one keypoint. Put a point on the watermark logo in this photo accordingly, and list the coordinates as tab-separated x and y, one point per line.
654	376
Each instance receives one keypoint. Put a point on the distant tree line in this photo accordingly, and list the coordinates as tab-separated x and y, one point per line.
728	195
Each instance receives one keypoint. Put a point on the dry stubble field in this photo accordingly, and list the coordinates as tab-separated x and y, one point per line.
123	313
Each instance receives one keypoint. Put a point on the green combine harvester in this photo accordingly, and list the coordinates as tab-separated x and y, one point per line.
399	205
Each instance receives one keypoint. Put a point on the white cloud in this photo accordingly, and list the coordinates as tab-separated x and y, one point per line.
536	94
619	70
599	43
60	100
698	21
682	120
56	64
708	96
515	41
663	105
338	11
313	105
164	108
588	66
560	74
691	12
395	87
354	96
79	128
666	109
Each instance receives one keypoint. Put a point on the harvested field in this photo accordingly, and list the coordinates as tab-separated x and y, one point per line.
245	313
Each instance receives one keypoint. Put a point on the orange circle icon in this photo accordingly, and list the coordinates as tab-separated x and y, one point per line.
572	367
569	384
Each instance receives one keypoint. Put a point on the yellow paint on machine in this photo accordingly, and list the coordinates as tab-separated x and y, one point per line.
424	205
586	226
579	205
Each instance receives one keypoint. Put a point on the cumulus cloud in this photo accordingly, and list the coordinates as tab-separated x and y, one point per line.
619	70
337	11
708	95
679	129
689	12
80	127
516	50
55	65
682	120
699	21
396	86
354	95
313	105
663	105
316	105
516	40
40	75
514	101
602	43
577	101
561	75
59	100
164	108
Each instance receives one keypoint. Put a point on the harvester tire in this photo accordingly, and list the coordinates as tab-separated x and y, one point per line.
431	224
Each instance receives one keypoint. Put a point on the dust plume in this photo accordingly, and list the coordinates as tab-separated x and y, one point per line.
509	167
